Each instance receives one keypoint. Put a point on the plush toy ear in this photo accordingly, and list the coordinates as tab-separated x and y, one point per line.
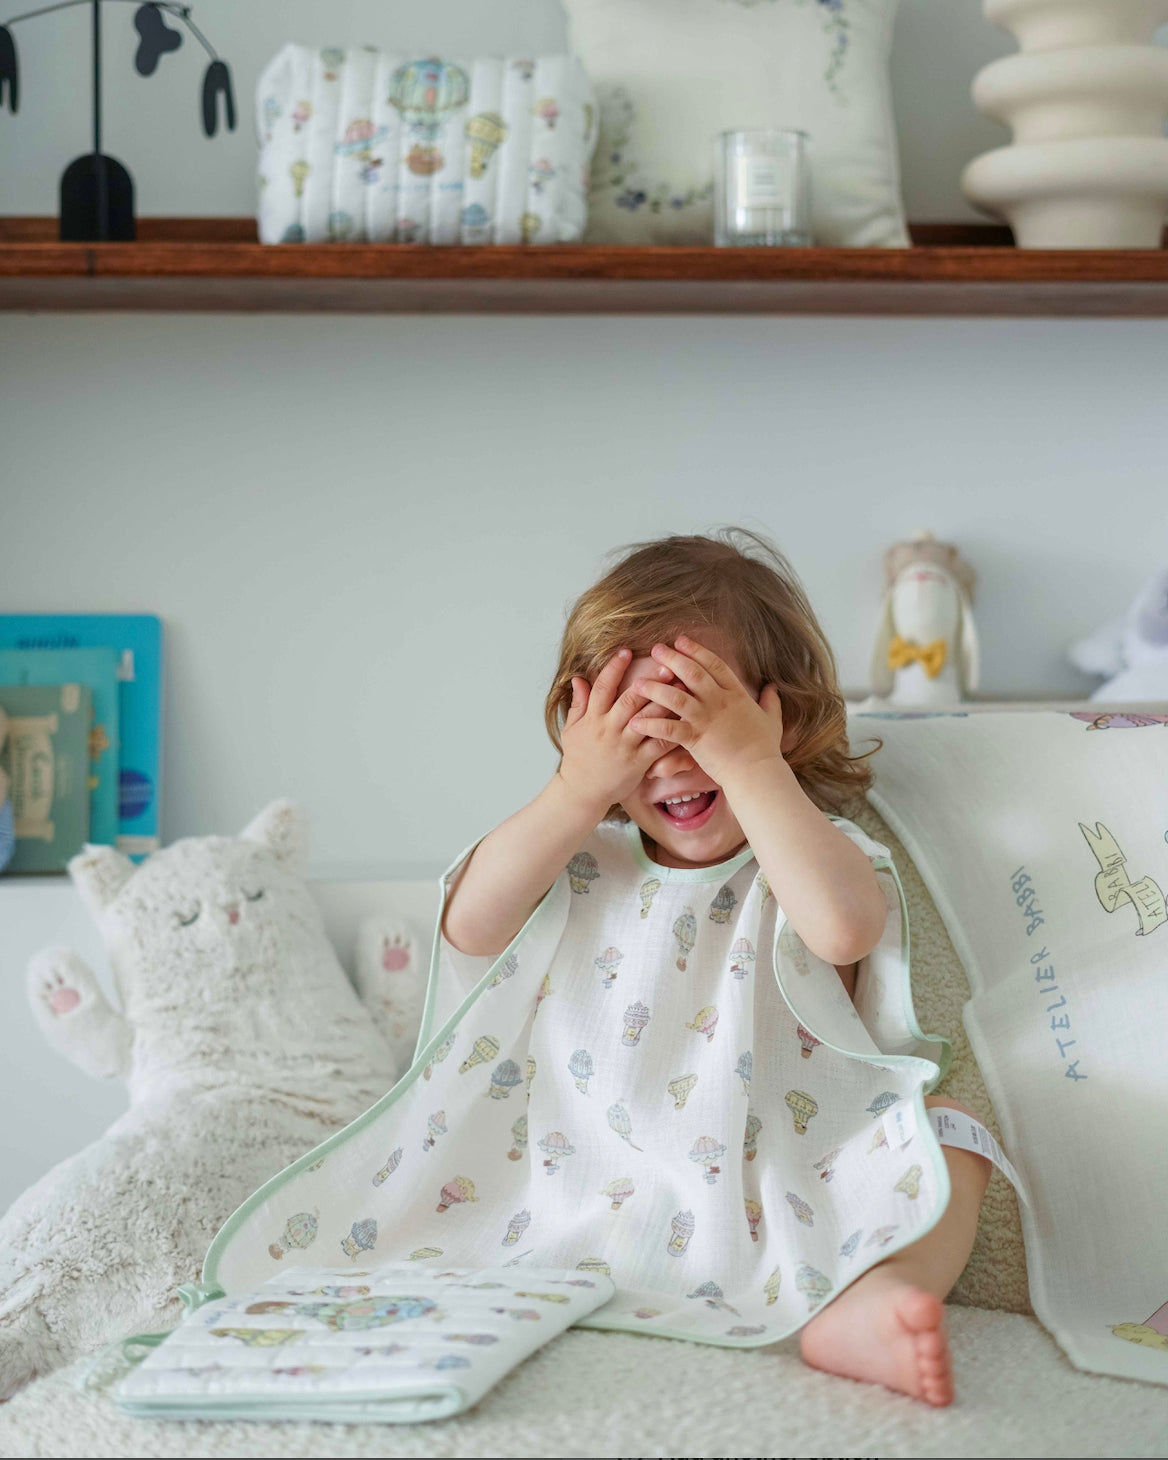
99	874
969	670
879	672
282	828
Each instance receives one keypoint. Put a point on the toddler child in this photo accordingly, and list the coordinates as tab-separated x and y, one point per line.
704	757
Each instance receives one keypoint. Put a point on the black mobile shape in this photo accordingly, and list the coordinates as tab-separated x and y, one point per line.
157	39
97	193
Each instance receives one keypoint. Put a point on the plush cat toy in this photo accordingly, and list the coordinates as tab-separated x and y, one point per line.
1133	650
243	1045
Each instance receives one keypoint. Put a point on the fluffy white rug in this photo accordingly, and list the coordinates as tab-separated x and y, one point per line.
617	1394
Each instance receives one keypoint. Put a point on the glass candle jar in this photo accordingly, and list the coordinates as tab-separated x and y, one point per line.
762	191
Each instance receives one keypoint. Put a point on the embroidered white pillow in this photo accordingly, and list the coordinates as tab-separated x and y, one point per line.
671	74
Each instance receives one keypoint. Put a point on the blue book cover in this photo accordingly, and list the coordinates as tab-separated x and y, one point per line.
45	757
138	641
97	668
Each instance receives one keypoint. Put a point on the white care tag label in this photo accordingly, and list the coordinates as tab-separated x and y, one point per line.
955	1128
900	1123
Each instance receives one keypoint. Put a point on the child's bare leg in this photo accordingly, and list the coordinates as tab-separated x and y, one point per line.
888	1326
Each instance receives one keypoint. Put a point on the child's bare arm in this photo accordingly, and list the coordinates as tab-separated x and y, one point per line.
511	869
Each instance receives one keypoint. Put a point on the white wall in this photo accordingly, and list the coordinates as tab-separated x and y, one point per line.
363	532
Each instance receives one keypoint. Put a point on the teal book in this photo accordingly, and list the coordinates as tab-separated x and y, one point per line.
46	758
97	668
138	639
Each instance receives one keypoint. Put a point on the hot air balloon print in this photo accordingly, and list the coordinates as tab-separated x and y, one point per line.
636	1016
435	1127
646	1312
802	1107
685	930
705	1021
772	1285
519	1314
681	1230
744	1069
723	905
509	965
300	114
741	957
299	1231
457	1189
504	1079
881	1236
813	1284
762	882
259	1337
425	92
360	137
516	1227
440	1054
852	1243
882	1102
713	1296
332	58
519	1136
879	1138
745	1330
298	171
529	1074
529	226
393	1161
750	1139
547	111
540	174
583	868
485	133
753	1217
362	1238
545	988
910	1182
1152	1332
807	1041
707	1151
680	1088
484	1049
801	1209
556	1147
608	962
618	1119
580	1068
420	1254
618	1191
649	890
825	1165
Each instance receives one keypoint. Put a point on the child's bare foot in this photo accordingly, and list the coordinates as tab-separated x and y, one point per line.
887	1331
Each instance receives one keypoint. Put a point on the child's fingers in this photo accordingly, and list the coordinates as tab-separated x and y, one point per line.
579	705
605	687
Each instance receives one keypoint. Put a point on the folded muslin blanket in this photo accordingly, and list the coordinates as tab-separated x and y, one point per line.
657	1080
363	146
392	1343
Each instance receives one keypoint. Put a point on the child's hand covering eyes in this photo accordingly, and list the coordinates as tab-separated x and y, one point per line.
605	758
719	721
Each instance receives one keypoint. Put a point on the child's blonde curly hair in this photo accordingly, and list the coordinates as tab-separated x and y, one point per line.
661	589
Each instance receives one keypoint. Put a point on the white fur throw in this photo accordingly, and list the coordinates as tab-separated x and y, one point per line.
242	1044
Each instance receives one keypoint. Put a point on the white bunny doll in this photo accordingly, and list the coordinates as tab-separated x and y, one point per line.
926	650
1133	649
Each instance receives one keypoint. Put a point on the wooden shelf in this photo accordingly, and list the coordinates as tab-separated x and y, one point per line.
201	264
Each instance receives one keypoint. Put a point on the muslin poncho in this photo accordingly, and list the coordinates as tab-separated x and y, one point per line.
656	1080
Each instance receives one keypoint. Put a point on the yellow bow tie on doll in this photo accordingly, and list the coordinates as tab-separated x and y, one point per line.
904	651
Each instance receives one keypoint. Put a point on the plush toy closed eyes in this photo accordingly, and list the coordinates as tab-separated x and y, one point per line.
243	1044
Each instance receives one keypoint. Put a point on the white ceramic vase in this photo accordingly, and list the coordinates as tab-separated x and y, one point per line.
1085	97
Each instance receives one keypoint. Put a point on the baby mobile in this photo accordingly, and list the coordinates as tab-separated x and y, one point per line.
97	193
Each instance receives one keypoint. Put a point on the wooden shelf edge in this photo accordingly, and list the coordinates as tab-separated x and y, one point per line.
215	264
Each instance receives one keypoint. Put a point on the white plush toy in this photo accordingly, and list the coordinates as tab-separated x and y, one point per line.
1132	650
926	650
243	1045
